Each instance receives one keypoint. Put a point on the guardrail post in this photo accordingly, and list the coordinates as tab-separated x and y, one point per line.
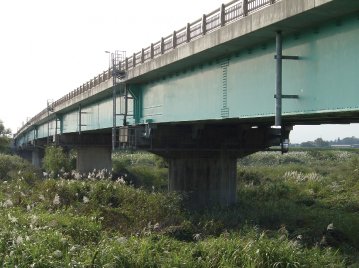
245	7
223	15
152	52
174	39
126	63
162	45
204	24
142	55
134	60
188	32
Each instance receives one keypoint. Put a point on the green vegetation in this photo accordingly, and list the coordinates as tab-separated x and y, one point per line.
285	205
14	167
349	142
304	191
56	162
141	170
5	139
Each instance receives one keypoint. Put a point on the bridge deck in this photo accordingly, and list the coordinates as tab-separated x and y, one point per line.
228	72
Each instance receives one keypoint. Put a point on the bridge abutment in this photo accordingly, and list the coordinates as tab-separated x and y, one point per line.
93	157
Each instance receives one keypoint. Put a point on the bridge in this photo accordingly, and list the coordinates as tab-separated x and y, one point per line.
231	83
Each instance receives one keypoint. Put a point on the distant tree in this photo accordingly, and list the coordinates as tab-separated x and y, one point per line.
350	141
319	142
307	144
5	138
4	131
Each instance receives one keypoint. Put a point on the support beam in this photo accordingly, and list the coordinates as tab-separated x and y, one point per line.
90	158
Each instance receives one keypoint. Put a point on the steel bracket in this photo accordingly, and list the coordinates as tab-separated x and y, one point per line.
288	57
288	96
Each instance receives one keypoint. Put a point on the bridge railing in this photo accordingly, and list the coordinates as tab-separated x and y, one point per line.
220	17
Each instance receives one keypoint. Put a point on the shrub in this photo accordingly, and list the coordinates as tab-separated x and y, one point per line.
56	160
5	139
12	167
141	170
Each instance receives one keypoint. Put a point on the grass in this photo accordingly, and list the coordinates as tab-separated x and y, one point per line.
142	170
309	191
285	203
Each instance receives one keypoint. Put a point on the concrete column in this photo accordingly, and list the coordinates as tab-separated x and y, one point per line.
90	158
37	155
207	180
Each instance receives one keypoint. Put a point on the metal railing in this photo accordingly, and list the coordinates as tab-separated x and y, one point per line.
212	21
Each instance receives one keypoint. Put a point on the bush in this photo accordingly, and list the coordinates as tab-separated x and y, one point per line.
12	167
5	139
141	170
56	161
5	145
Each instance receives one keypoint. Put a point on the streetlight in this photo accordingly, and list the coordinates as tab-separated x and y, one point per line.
109	58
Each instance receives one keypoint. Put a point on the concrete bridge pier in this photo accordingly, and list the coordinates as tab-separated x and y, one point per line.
206	179
37	155
93	150
203	157
93	157
32	155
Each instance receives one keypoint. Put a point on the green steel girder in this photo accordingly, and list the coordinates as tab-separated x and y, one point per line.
239	86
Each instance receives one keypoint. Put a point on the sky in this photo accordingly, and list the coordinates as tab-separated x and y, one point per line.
50	47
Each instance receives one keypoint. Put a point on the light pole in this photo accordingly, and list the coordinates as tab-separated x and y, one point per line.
109	58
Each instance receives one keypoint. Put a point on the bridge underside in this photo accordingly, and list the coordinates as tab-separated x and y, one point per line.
203	158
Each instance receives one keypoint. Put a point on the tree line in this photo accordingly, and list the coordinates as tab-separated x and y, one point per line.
320	143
